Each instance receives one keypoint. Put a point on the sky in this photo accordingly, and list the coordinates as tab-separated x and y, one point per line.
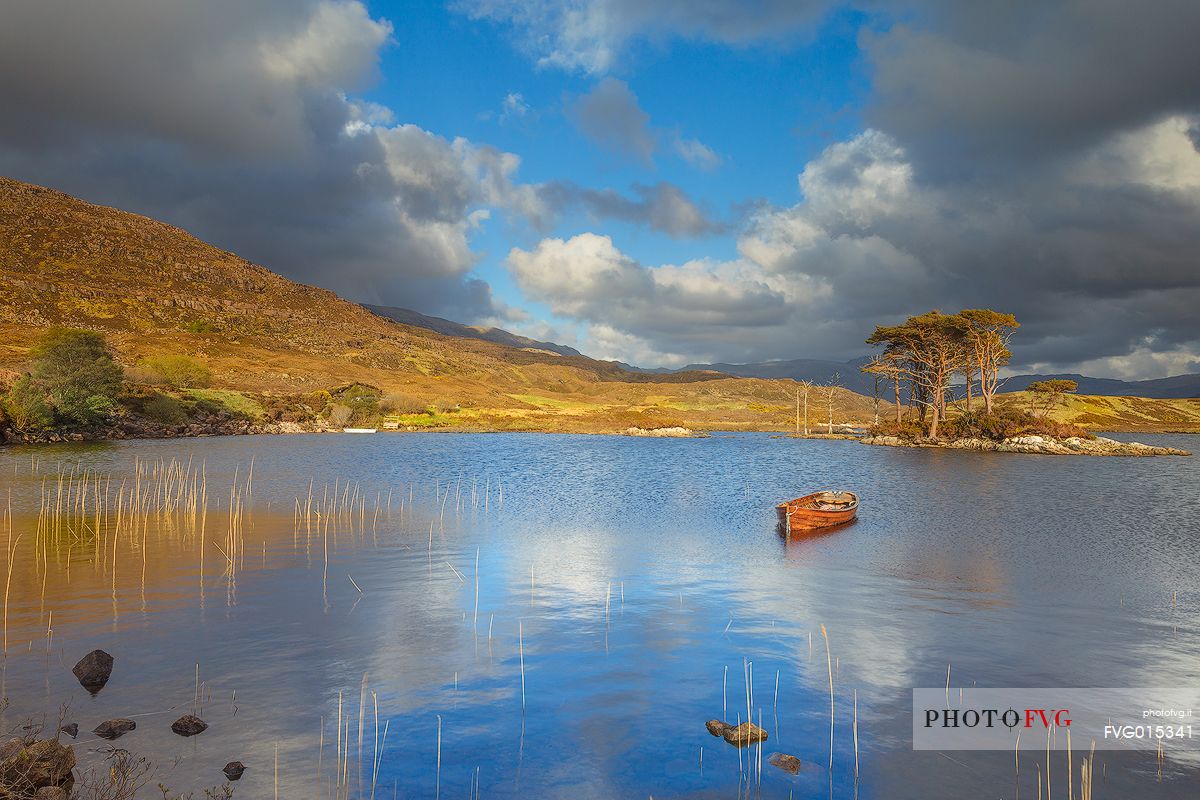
661	182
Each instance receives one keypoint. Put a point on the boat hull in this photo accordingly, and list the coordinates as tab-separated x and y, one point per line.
803	513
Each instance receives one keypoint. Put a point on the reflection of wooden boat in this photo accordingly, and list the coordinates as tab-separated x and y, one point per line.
818	510
359	430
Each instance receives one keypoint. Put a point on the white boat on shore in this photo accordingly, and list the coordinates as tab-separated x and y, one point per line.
359	430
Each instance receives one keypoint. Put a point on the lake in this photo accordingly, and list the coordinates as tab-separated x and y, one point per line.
557	616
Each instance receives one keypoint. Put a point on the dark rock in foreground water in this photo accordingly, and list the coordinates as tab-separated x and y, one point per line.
785	762
716	727
71	729
189	725
746	733
113	728
28	766
93	670
234	769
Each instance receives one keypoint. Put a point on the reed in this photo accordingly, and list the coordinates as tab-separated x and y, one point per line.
362	716
12	549
1017	767
724	684
856	735
1048	793
829	664
521	646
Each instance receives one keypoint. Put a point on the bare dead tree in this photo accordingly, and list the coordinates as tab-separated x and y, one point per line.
831	388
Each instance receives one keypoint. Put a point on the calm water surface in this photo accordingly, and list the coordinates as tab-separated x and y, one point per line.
632	579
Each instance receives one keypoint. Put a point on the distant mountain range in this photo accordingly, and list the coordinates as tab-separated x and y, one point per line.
845	373
448	328
1161	388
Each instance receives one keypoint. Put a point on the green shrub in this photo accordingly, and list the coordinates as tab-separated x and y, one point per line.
76	374
201	326
26	406
176	371
229	402
362	400
165	409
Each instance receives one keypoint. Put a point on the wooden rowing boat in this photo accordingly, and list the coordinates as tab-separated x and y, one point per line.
818	510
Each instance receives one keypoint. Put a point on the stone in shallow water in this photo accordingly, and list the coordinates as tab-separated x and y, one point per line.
93	670
785	762
71	729
746	733
114	728
189	725
716	727
233	770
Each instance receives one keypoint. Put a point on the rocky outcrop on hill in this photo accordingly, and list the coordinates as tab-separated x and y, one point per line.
1036	444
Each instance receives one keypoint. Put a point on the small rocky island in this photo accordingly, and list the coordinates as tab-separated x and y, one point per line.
1035	443
676	432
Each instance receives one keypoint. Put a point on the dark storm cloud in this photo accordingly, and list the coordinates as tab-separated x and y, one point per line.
1096	254
977	84
232	120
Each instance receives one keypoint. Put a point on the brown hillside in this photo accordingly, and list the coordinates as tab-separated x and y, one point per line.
154	288
1172	415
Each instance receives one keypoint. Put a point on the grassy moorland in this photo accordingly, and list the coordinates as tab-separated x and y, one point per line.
277	350
1098	413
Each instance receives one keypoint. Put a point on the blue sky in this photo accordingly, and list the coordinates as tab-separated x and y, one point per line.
655	181
780	105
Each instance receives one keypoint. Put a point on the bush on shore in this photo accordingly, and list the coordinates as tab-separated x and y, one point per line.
73	380
26	406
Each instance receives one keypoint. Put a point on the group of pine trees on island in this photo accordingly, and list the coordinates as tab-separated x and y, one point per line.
923	357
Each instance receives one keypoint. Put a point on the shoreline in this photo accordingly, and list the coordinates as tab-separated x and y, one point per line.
1021	444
